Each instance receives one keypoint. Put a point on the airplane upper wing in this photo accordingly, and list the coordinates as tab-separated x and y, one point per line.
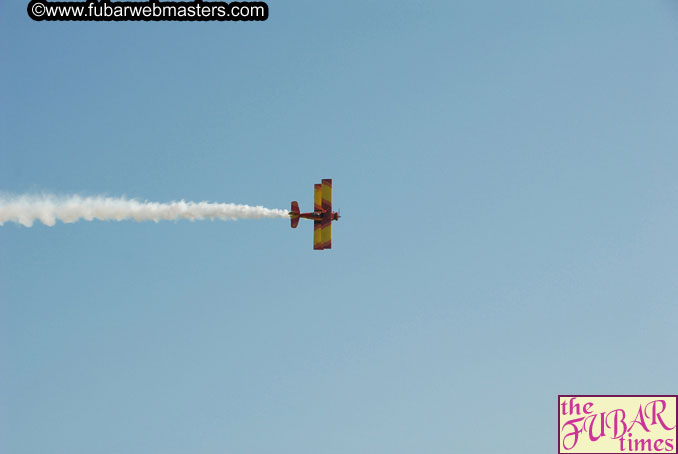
327	195
317	197
322	228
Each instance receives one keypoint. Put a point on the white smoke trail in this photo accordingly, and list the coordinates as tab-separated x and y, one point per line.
26	209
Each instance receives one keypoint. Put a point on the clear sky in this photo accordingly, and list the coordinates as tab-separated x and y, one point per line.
506	173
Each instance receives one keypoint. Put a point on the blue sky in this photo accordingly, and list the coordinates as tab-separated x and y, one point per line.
506	173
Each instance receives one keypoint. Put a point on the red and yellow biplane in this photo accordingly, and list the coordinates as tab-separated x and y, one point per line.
322	215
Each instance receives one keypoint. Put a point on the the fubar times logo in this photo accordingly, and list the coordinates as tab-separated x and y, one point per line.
617	424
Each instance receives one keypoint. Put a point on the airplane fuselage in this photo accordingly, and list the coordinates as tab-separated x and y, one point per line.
316	215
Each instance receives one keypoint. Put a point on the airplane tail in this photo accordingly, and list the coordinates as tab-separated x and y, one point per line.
294	215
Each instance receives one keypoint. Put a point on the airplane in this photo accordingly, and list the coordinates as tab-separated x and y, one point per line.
322	215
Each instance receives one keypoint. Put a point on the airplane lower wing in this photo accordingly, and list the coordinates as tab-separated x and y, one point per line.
326	235
317	235
322	234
